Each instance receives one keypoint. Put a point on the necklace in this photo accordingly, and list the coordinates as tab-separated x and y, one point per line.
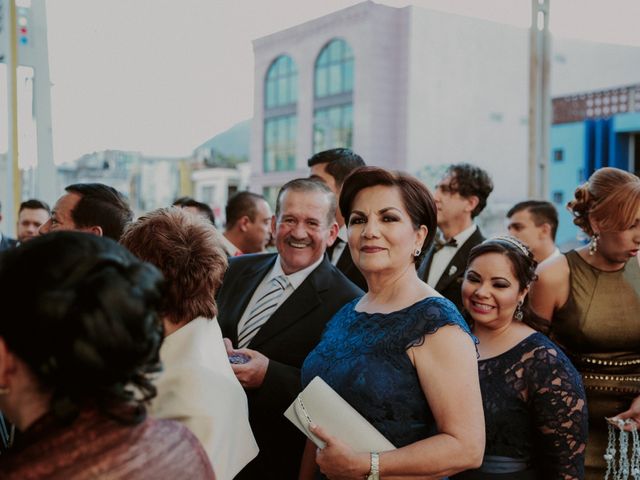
625	464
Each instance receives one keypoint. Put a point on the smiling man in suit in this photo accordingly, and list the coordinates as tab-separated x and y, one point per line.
460	196
273	308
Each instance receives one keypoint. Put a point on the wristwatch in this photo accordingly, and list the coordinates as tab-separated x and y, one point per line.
374	473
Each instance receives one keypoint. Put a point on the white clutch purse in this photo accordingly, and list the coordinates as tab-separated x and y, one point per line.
319	404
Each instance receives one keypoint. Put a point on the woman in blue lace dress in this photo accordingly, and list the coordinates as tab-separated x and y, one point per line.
401	355
534	402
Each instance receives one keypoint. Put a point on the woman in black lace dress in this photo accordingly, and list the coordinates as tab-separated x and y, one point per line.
534	402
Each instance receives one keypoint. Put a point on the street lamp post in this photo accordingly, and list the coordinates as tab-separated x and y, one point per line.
539	100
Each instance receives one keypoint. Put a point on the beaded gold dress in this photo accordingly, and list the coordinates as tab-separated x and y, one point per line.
599	329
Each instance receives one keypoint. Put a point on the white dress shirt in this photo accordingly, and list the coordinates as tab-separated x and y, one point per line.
198	389
295	280
442	257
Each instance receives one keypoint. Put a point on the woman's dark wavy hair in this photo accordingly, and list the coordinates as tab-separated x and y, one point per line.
523	266
416	197
85	322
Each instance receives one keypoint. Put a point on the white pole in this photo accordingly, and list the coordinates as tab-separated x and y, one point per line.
13	172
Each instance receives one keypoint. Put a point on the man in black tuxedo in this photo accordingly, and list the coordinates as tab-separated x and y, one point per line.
273	309
5	242
332	167
460	196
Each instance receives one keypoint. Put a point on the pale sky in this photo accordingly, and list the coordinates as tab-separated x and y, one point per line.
161	76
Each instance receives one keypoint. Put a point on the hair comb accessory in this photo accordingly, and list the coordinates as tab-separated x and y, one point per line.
514	242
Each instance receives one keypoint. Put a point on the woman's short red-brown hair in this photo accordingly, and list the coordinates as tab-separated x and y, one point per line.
611	198
418	201
188	252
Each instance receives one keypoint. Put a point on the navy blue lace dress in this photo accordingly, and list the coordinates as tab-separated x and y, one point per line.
364	358
535	414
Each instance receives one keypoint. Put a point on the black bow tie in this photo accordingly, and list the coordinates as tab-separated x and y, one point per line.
441	242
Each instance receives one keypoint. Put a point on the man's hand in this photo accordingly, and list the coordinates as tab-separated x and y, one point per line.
250	374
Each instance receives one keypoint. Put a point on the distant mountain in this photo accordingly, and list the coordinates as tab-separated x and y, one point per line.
234	142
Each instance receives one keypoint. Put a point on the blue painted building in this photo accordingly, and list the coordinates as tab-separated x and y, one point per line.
590	131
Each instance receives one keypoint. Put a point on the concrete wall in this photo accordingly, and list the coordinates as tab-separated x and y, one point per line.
468	97
581	66
566	175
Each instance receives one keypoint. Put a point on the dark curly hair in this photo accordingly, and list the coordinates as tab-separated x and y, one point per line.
469	180
87	326
523	266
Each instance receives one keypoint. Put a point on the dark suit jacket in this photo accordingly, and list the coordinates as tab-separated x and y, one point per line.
450	282
345	265
286	339
6	243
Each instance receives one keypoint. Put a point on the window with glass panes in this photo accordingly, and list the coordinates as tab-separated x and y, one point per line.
280	144
280	120
334	69
281	84
333	97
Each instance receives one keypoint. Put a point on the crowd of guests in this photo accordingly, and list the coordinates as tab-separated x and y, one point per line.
161	348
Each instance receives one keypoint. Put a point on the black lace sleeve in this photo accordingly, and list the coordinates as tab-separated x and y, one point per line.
557	399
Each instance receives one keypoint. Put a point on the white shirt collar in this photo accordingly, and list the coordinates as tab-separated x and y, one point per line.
296	278
556	253
342	234
464	235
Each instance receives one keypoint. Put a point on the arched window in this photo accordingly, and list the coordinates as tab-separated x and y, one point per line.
280	122
334	69
281	84
333	97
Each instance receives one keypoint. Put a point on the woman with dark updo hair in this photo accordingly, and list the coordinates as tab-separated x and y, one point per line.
591	295
74	359
534	403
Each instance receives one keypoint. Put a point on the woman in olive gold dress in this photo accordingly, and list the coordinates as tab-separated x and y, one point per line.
591	295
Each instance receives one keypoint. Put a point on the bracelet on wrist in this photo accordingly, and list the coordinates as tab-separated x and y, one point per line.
374	472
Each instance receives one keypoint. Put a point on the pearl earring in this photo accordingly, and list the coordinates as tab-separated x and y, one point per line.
593	246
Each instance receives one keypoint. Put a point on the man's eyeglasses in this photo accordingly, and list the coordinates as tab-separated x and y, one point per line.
446	188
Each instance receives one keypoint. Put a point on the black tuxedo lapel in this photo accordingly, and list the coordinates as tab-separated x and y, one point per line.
454	269
458	263
304	299
247	283
425	266
345	265
345	262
